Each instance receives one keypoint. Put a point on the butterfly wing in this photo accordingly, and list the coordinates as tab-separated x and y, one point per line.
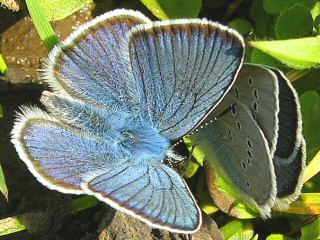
290	155
242	133
152	192
57	154
182	69
89	65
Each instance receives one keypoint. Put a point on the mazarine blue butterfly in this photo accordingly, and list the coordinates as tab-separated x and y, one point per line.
123	88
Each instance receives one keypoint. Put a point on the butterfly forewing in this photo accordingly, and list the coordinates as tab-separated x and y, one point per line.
182	69
89	65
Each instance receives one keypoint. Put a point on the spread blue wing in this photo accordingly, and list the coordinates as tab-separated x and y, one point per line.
57	154
89	65
152	192
182	69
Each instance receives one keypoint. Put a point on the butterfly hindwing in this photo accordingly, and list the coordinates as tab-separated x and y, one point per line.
153	192
182	69
57	154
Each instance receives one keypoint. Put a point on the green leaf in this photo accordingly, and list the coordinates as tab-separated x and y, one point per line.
82	203
238	229
262	21
3	65
1	111
191	169
310	109
300	53
294	22
164	9
262	58
3	185
315	10
311	231
42	25
277	6
10	225
313	168
59	9
278	237
307	203
241	25
316	23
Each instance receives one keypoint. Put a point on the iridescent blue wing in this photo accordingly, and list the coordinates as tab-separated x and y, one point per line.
89	65
57	154
152	192
182	69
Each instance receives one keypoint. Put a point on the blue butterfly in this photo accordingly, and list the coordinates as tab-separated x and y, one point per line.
124	88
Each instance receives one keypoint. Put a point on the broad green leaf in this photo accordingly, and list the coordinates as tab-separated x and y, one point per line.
10	225
3	185
241	25
300	53
278	237
42	25
277	6
3	65
260	57
307	203
311	231
294	22
313	168
164	9
238	229
308	82
60	9
82	203
310	109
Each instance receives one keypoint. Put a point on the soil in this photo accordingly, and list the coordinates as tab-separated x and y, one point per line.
45	212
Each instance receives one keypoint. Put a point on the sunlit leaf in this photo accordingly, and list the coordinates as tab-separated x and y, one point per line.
59	9
315	10
313	168
307	203
294	22
164	9
311	231
42	25
238	229
278	237
3	185
10	4
10	225
260	57
191	168
3	65
297	53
